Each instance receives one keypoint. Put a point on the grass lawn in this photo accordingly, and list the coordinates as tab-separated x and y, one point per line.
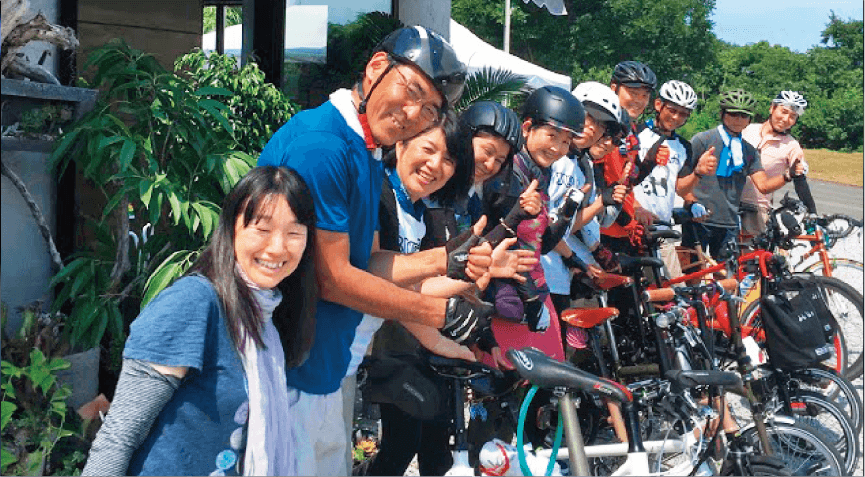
842	167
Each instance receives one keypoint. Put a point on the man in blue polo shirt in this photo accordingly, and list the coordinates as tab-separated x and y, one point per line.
409	82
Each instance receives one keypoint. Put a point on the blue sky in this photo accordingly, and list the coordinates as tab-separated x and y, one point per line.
796	24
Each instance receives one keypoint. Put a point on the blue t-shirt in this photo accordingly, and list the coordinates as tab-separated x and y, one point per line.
200	430
345	181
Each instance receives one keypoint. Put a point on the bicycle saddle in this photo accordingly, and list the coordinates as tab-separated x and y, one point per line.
546	372
604	281
630	263
588	317
666	234
682	379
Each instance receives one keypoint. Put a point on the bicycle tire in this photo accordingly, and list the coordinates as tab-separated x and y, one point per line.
844	302
761	465
851	272
825	417
845	229
800	447
838	389
855	370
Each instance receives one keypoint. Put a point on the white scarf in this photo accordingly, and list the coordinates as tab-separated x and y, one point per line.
268	442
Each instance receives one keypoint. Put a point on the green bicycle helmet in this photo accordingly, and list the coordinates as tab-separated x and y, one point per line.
738	101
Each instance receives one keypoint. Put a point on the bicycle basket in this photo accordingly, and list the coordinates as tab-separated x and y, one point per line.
796	320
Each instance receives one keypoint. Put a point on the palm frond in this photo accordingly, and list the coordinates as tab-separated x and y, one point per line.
492	84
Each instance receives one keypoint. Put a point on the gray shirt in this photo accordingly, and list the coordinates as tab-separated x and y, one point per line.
721	195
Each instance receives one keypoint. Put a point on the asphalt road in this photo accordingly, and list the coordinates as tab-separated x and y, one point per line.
831	197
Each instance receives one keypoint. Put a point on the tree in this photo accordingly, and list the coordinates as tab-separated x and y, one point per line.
845	36
233	16
673	36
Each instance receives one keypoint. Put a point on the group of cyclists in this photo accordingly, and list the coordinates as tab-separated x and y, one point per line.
384	221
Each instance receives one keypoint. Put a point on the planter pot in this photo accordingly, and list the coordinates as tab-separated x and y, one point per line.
82	376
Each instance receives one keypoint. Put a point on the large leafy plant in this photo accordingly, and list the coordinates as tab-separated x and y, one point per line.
163	149
34	414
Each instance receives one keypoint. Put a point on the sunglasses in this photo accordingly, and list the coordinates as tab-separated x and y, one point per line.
739	115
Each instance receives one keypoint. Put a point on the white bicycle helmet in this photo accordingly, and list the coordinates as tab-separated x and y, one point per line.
792	100
599	100
680	93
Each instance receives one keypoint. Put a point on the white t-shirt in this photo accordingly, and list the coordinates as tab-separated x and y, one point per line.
411	232
657	192
566	174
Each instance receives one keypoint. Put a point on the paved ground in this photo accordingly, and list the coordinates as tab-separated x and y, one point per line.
831	197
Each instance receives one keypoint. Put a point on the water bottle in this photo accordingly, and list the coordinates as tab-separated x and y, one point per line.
746	284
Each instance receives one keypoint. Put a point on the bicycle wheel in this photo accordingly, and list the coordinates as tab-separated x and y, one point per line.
759	465
800	447
836	388
849	271
846	306
814	409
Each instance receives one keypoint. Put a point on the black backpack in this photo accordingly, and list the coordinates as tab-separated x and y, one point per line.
797	322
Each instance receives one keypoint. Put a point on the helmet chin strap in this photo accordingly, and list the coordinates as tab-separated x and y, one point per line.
361	109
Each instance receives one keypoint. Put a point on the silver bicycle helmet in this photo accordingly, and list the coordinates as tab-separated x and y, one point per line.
433	55
792	100
678	92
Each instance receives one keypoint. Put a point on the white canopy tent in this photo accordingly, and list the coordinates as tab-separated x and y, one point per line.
306	40
477	54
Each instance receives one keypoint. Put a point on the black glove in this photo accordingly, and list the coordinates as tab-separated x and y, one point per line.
534	310
508	226
574	262
464	321
486	340
607	196
457	249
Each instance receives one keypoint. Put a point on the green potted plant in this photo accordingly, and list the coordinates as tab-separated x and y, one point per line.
36	417
162	149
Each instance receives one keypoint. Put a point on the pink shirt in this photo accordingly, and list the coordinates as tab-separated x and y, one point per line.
777	153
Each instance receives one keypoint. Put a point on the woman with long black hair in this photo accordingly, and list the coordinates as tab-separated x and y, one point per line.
202	389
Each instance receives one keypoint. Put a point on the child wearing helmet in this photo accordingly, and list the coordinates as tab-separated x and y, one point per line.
673	169
574	251
722	192
633	83
552	118
778	151
409	82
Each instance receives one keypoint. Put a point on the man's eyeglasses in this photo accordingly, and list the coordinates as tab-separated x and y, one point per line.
429	111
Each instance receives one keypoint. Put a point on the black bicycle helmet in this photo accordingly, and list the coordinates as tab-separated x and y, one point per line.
634	74
737	101
433	55
556	106
493	116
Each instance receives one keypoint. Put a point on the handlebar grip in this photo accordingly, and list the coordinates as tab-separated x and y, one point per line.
660	294
730	285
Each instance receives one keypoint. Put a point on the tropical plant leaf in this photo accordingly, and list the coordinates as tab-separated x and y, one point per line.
7	409
7	458
492	84
167	271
